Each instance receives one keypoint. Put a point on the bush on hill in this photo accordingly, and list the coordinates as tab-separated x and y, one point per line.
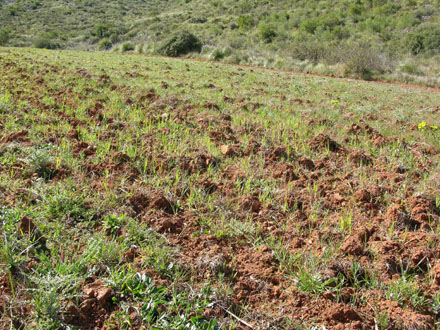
4	36
424	39
181	43
267	33
47	41
127	46
105	44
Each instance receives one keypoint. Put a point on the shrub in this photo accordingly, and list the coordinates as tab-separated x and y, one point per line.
267	33
46	41
127	46
114	38
309	26
4	36
181	43
12	10
309	50
246	22
219	54
424	39
355	10
411	68
105	44
101	30
362	61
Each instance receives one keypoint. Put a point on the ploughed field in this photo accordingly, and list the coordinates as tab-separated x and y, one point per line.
143	192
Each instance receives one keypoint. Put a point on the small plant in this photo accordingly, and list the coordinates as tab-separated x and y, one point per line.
314	283
424	126
407	292
113	223
41	163
68	206
345	222
436	303
5	102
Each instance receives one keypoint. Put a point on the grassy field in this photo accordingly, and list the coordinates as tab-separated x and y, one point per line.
146	192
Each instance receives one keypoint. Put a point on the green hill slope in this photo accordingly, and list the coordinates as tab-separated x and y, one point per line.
345	37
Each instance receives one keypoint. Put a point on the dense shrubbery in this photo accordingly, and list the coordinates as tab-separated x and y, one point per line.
267	33
424	39
47	41
220	54
246	22
4	36
295	35
105	44
180	44
358	59
127	46
363	61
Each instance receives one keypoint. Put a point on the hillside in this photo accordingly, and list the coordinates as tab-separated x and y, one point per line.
393	40
151	192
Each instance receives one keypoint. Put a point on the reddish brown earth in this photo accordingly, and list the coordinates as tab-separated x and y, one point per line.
393	220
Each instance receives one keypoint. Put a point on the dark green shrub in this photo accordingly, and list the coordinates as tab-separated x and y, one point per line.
105	44
12	10
46	41
340	33
220	54
246	22
35	4
101	31
4	36
267	33
310	25
114	38
355	10
424	39
181	43
127	46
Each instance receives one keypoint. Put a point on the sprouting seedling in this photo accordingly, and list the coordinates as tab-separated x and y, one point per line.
345	222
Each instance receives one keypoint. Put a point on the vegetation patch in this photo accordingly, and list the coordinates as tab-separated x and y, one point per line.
142	192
